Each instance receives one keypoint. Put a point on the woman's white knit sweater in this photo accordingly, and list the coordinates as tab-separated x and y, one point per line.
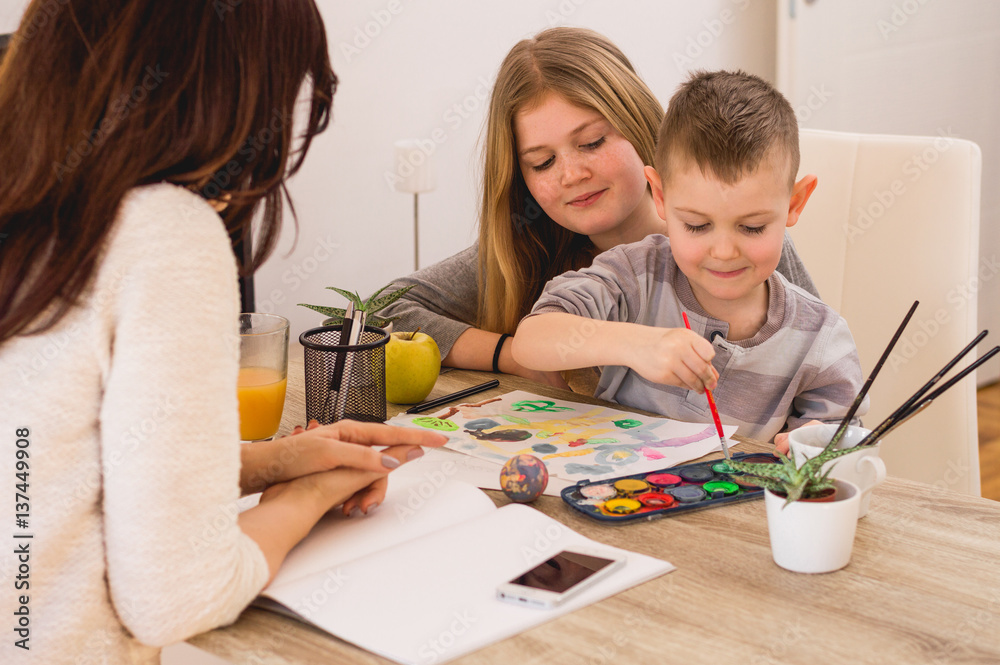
132	426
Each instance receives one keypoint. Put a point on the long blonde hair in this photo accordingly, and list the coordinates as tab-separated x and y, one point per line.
520	247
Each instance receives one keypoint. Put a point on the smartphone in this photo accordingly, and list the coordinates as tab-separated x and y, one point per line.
553	581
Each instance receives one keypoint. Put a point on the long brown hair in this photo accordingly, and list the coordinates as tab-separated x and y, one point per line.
520	247
100	96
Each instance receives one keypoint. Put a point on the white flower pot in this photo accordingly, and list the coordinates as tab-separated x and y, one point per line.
813	537
864	468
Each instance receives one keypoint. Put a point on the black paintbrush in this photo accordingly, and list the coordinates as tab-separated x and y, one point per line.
907	409
871	378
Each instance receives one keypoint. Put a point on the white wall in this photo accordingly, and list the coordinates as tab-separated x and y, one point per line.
918	68
406	82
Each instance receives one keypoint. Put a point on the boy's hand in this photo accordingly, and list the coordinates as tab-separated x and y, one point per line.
677	357
781	440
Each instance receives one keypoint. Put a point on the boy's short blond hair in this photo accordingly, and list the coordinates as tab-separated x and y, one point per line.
727	123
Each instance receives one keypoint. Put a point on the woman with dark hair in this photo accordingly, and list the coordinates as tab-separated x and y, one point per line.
126	128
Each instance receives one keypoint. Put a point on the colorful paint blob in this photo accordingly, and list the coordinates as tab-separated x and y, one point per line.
502	435
538	405
622	506
440	424
627	423
631	486
663	479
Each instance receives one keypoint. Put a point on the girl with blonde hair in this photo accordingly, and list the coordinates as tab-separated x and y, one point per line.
570	127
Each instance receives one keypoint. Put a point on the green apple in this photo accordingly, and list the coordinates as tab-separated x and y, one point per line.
412	364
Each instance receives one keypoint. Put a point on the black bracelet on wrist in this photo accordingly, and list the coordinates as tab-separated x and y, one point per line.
496	353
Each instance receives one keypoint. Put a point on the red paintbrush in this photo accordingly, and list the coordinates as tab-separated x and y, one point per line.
711	404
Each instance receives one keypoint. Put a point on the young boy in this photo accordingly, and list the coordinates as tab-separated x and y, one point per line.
724	183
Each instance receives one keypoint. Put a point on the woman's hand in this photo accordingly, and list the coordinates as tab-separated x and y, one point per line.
674	356
288	510
316	449
352	487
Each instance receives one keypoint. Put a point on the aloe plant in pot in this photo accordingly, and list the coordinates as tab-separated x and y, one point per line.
375	303
811	517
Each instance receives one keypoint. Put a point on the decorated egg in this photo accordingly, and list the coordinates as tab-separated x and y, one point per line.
523	478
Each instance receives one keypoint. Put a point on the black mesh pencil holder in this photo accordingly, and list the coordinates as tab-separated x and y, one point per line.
344	381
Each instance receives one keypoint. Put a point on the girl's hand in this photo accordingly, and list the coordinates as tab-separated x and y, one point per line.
316	449
781	440
674	356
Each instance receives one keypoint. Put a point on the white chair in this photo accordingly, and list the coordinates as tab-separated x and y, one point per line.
896	219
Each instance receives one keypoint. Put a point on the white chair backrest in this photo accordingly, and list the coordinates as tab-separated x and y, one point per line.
896	219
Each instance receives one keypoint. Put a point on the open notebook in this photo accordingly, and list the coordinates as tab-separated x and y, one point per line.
416	580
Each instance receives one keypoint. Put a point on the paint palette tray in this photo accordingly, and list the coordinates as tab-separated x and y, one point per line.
665	492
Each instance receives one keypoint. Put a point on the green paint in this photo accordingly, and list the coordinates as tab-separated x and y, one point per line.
627	423
538	405
440	424
516	420
724	485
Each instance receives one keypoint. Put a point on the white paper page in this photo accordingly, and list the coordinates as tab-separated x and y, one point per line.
413	506
473	470
434	598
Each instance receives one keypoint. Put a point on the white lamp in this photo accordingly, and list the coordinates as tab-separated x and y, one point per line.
414	176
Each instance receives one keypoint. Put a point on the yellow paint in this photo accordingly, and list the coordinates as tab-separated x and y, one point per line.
572	453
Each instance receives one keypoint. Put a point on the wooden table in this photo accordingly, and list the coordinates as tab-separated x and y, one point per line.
923	586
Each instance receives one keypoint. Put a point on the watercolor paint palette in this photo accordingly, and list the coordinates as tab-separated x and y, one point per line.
665	492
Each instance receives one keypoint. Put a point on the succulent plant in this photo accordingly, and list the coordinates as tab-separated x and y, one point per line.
796	482
375	303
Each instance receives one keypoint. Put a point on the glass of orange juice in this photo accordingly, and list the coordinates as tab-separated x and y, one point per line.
263	374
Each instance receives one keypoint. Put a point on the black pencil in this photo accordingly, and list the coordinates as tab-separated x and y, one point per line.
441	401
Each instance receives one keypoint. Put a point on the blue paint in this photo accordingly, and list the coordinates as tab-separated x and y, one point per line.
595	469
481	424
544	448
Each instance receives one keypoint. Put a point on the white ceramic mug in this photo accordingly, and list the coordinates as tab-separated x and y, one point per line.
813	537
864	468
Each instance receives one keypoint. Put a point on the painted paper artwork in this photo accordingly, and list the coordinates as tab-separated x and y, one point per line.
576	441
